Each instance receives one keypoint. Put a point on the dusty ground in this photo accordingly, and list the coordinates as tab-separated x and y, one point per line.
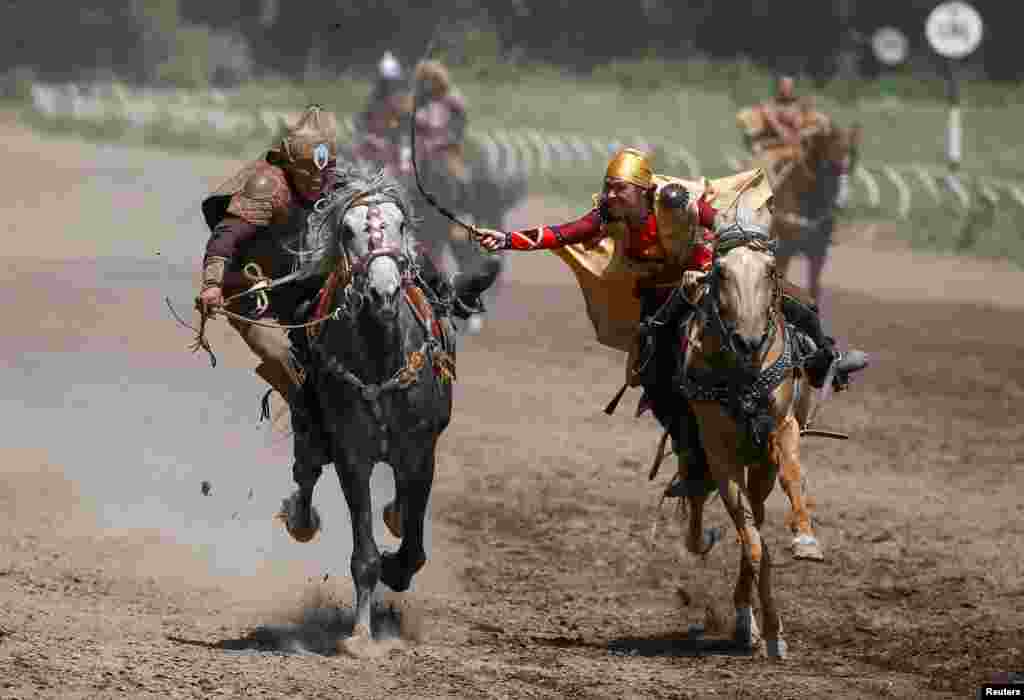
119	579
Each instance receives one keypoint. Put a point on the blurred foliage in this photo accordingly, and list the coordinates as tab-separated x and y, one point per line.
189	64
679	102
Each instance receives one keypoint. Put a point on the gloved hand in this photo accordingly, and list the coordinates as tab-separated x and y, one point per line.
210	297
490	239
691	278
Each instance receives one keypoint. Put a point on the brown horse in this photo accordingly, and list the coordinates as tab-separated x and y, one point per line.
741	374
806	190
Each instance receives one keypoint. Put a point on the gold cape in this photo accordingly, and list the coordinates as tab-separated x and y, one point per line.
607	278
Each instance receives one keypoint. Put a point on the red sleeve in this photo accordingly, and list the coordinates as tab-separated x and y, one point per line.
706	214
586	228
229	235
700	258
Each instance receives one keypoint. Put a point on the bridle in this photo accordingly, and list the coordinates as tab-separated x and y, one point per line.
745	395
354	293
737	236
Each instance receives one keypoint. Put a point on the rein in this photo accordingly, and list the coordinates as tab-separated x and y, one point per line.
353	298
431	200
734	237
745	396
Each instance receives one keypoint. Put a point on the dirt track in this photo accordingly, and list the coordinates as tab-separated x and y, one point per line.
119	579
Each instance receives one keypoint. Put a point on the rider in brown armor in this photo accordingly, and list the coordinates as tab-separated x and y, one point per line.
250	217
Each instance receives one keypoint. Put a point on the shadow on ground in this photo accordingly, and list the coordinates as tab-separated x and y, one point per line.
318	633
669	645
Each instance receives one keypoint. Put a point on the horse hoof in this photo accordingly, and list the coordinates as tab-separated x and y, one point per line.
300	529
393	519
806	547
776	648
708	539
396	574
359	645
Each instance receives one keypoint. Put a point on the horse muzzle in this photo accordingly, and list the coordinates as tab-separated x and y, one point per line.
747	347
385	304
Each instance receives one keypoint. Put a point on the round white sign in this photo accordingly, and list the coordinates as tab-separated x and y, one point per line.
890	45
954	29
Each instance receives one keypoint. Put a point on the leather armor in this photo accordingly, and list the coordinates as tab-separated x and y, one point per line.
264	199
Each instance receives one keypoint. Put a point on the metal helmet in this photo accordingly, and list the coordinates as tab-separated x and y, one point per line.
310	147
631	165
389	68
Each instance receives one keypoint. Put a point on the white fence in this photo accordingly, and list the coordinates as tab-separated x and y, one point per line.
900	187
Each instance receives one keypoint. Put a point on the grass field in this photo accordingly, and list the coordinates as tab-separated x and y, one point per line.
632	103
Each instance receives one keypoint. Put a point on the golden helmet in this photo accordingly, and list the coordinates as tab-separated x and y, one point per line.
631	165
310	146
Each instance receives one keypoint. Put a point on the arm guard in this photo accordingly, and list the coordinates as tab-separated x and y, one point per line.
585	228
213	271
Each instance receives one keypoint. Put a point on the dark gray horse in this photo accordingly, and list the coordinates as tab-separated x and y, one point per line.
492	190
381	371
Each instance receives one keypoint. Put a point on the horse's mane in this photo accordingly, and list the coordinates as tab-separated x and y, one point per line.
325	237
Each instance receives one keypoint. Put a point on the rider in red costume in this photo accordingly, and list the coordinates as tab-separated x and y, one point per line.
646	216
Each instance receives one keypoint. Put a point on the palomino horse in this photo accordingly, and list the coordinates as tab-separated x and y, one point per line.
806	193
741	374
382	371
665	401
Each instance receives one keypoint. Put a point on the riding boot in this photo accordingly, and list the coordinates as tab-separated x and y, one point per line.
655	319
805	318
694	475
469	287
309	441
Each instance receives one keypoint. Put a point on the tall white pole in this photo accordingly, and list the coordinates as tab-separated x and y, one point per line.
954	131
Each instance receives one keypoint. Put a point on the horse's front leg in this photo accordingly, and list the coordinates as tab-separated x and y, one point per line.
414	484
698	540
354	475
720	436
787	457
300	517
815	268
760	482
